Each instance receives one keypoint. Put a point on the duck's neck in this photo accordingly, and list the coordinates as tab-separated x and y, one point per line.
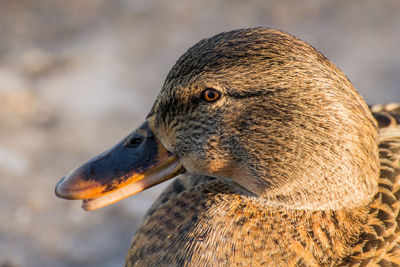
341	188
323	195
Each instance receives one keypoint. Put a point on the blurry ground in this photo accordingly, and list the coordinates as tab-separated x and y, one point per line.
76	76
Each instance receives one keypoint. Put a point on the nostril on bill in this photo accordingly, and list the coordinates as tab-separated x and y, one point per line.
134	141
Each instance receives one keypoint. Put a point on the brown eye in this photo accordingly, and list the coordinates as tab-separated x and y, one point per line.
210	95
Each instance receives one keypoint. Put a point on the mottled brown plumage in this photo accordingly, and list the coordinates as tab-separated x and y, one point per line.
282	170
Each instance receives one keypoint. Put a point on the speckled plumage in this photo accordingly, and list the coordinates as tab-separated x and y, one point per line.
193	208
282	171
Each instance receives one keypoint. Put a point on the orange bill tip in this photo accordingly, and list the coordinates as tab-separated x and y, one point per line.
137	162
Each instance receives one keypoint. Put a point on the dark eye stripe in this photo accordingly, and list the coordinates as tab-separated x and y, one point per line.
249	94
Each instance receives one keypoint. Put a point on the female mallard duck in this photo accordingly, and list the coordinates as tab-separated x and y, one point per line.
281	158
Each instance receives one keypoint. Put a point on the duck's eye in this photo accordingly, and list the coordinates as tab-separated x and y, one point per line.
210	95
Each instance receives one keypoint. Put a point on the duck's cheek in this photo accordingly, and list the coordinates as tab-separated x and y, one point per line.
193	165
215	167
167	138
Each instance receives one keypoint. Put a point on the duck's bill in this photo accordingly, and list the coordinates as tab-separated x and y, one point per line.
138	162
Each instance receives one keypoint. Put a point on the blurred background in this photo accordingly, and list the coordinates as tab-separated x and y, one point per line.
77	75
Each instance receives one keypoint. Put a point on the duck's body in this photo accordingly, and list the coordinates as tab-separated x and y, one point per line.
216	224
203	221
280	160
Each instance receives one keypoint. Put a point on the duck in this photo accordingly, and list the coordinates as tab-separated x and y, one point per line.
279	162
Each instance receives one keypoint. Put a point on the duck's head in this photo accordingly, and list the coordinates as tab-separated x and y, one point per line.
257	106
